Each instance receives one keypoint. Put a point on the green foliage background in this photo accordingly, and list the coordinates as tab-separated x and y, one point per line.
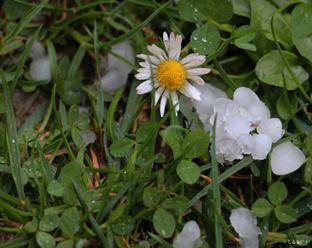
153	172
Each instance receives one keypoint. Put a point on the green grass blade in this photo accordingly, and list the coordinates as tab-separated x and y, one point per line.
23	22
111	114
77	59
136	29
92	220
112	203
216	189
12	141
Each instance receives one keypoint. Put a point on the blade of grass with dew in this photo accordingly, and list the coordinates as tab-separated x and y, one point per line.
133	107
235	168
23	22
53	60
216	189
111	114
136	29
224	75
76	62
104	212
12	141
19	241
59	125
99	108
65	25
92	220
14	212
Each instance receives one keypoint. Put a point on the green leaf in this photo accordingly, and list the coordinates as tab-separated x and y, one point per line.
270	69
304	46
70	222
45	240
282	31
308	170
261	207
14	10
301	19
286	106
172	136
49	222
66	244
116	213
245	35
121	147
55	188
163	223
145	131
188	171
277	193
123	225
151	197
219	10
177	204
261	15
189	11
285	213
241	7
31	226
70	171
205	39
195	143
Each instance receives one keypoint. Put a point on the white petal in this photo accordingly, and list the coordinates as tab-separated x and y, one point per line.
190	91
196	79
271	127
193	61
262	146
192	56
198	71
40	68
147	65
144	87
149	58
175	101
166	41
163	103
245	224
189	237
174	49
143	75
158	94
144	70
158	52
286	158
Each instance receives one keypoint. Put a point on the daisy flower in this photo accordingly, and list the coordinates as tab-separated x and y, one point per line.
169	74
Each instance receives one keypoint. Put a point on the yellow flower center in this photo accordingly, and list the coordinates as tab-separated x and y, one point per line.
171	74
